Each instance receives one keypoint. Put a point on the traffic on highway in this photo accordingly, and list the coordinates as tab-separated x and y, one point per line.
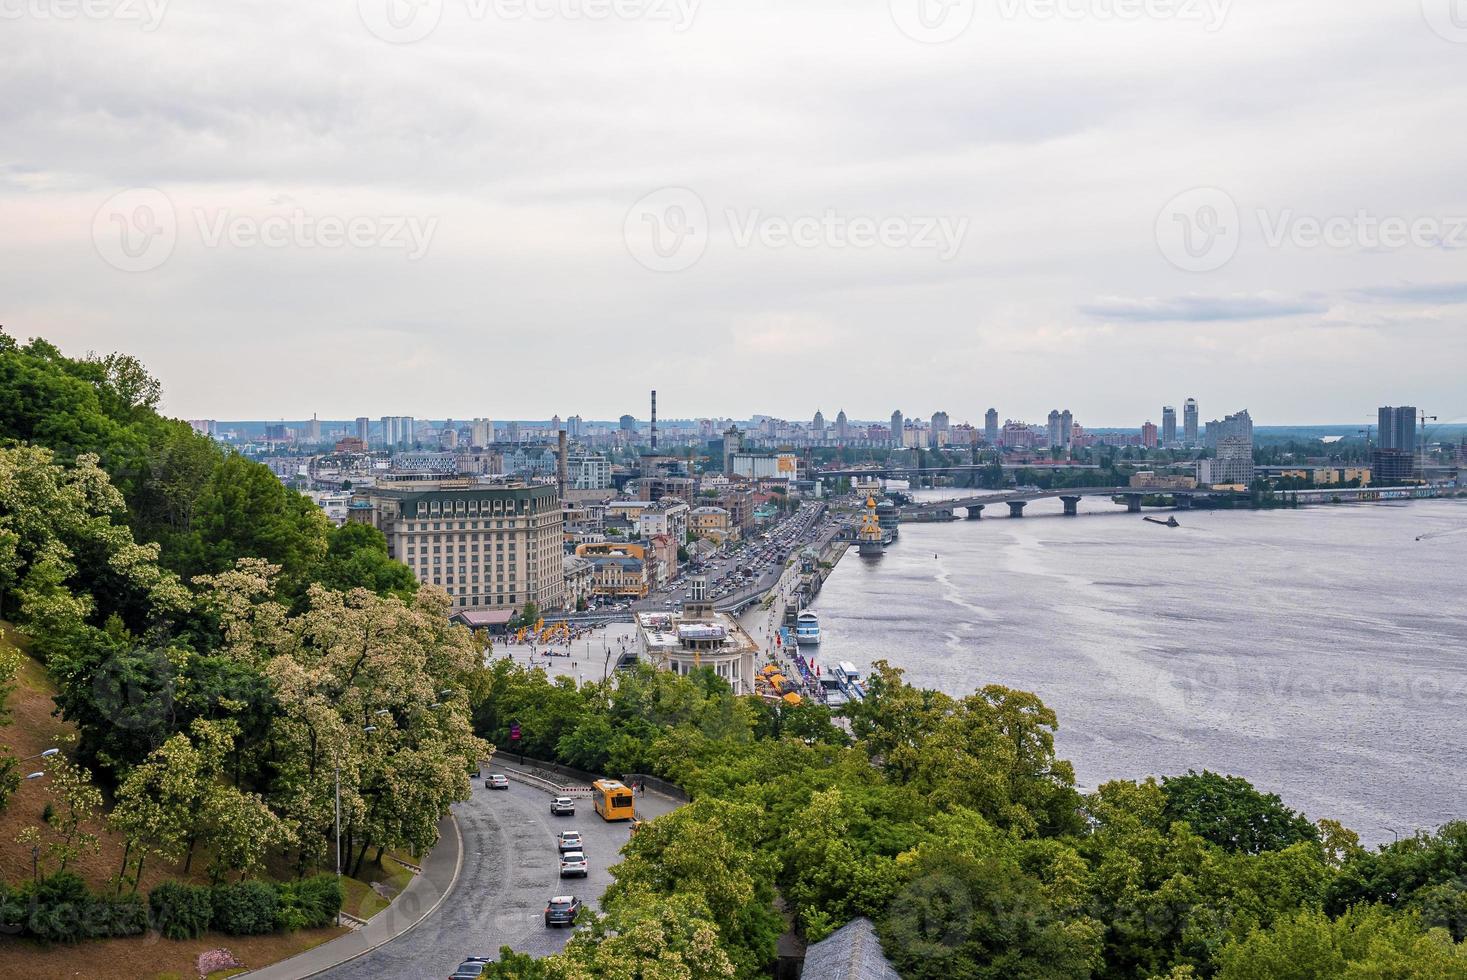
751	566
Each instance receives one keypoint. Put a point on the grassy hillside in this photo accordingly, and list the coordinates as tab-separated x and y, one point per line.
33	729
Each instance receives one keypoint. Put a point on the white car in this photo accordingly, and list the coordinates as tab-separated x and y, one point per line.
496	781
573	865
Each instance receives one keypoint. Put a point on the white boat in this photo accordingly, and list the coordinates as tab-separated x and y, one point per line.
807	629
848	679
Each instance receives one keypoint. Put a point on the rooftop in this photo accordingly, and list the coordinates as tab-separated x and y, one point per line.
852	952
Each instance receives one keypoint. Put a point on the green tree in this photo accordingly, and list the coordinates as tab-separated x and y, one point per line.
1364	942
1228	811
356	558
708	854
244	511
645	937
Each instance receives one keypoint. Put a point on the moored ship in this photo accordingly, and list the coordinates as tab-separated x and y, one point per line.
807	629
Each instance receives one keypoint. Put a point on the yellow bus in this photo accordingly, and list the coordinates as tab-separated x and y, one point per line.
613	800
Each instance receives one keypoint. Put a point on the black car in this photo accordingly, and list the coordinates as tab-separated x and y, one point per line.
562	911
471	968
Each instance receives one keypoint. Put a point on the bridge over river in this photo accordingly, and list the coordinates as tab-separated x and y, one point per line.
1017	500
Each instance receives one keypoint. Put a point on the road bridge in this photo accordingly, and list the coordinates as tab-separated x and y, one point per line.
1017	500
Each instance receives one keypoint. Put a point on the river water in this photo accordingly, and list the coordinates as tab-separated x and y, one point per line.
1321	653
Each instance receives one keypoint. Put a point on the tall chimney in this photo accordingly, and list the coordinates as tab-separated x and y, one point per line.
654	421
560	465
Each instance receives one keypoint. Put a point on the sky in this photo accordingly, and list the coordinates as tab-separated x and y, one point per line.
519	208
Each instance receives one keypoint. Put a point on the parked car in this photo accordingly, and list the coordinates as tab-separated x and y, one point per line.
562	806
573	865
562	911
471	968
569	840
496	781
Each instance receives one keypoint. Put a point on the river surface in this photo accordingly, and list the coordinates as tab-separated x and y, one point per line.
1321	653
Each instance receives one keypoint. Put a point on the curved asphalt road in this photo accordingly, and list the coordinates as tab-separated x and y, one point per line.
510	868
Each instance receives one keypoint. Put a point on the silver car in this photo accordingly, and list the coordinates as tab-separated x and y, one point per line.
573	864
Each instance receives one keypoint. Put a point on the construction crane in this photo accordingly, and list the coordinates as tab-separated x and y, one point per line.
1424	419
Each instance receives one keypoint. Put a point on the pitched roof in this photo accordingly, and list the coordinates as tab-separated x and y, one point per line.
852	952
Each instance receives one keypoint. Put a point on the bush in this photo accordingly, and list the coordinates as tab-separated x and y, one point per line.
122	916
60	909
57	908
12	910
321	900
308	904
181	911
245	909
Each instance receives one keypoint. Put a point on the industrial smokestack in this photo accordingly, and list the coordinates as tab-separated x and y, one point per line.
654	420
560	465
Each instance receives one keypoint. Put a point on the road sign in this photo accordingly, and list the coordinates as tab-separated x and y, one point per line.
514	732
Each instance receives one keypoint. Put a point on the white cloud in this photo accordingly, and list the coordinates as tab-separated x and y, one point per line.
1057	140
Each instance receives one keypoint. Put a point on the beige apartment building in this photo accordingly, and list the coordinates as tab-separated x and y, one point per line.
488	545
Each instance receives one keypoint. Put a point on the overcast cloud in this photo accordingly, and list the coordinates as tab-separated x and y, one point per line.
1105	205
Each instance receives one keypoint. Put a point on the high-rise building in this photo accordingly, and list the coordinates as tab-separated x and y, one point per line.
990	427
1234	447
1189	422
1055	439
628	423
1237	426
1148	435
573	426
733	444
941	430
1394	460
842	427
483	432
897	425
488	547
1169	426
313	430
817	425
364	427
1067	429
1234	462
398	432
